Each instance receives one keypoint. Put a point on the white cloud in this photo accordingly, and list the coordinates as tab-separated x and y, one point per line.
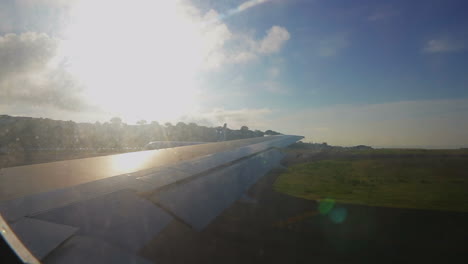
242	56
233	48
274	40
251	3
30	71
239	47
443	45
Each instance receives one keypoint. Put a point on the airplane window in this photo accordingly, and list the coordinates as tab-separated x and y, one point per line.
243	131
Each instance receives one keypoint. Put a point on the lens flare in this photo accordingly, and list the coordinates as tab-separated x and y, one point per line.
326	205
338	215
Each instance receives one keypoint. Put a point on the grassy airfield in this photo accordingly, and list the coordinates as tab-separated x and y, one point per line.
418	179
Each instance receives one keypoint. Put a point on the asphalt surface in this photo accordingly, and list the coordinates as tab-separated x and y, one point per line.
276	228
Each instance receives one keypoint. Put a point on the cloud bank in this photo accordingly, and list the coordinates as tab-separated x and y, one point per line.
47	72
28	74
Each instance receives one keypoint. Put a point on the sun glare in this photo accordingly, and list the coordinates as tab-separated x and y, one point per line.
131	162
137	59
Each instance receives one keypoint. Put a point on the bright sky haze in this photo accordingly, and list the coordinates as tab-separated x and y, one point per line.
379	73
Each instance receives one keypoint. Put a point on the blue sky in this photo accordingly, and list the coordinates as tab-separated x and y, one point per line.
375	51
382	73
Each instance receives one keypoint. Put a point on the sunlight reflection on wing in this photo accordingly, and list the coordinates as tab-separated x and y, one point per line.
130	162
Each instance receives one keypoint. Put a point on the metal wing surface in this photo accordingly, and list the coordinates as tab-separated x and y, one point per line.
105	209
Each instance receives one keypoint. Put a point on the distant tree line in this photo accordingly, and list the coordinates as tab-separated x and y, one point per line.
324	146
26	134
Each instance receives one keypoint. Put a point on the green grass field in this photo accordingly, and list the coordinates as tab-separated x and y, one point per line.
425	182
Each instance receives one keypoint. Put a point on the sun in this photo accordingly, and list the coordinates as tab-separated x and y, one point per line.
137	59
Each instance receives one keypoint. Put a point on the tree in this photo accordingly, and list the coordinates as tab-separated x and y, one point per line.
116	121
271	133
18	135
258	133
141	122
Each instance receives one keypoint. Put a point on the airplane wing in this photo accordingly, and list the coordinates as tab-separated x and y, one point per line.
105	209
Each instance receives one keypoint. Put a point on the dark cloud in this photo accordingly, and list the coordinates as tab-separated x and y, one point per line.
29	74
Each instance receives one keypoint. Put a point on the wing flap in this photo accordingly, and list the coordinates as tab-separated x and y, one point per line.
121	218
41	237
201	200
